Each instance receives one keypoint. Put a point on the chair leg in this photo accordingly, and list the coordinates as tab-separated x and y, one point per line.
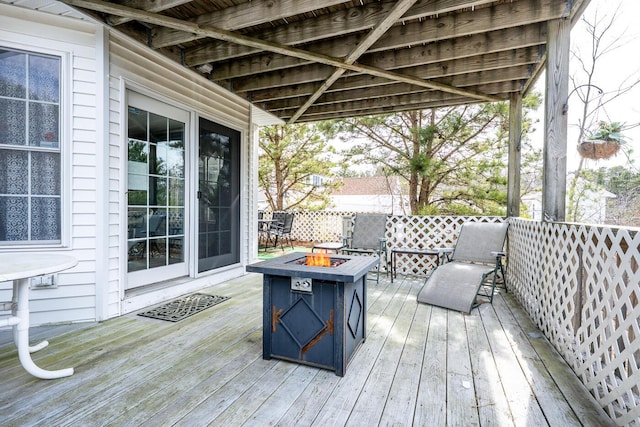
504	278
493	286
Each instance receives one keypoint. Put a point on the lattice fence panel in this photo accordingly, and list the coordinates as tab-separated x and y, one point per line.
581	285
319	226
403	231
425	232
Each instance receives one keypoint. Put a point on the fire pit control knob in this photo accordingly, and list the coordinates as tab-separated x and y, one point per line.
301	284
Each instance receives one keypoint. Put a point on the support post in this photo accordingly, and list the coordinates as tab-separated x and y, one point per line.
515	136
554	178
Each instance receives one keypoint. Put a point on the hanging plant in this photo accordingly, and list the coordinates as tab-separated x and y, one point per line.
604	143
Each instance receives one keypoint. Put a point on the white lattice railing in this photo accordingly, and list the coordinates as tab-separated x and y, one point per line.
581	285
403	231
425	232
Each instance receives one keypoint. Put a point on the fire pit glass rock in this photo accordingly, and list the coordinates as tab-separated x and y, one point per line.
319	260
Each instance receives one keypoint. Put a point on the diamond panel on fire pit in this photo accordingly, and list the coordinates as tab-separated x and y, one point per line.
301	332
355	312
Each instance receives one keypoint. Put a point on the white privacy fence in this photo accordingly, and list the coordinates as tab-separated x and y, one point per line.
580	284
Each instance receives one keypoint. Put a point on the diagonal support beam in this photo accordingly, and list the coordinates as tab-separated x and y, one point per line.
208	31
392	17
150	5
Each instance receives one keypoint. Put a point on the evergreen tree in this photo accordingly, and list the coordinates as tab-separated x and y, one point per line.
291	158
453	160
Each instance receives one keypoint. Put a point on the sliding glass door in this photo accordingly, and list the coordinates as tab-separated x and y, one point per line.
156	208
218	196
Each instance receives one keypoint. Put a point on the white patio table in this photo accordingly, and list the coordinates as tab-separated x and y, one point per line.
19	268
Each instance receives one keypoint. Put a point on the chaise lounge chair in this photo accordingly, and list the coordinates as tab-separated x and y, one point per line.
472	270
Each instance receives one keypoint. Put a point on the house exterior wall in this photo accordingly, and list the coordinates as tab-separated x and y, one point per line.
74	298
392	205
99	67
133	67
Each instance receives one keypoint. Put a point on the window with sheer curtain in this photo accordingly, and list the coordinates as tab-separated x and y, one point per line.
30	155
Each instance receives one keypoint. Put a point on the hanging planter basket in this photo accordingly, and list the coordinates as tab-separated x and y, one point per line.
598	149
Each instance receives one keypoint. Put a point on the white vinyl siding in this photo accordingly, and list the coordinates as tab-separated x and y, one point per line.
73	40
95	170
136	68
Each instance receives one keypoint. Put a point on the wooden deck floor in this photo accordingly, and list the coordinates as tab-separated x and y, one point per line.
420	366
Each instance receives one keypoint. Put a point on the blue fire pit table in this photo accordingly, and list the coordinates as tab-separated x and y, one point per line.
314	315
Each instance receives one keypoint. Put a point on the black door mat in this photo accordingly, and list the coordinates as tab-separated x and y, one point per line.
183	307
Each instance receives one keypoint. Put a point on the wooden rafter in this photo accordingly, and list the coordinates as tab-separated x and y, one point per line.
149	5
517	74
207	31
472	65
239	17
436	30
398	10
415	99
480	45
301	59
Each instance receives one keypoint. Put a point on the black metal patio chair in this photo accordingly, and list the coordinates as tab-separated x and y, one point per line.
281	230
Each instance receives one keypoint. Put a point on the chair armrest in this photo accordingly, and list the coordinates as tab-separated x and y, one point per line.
444	253
444	250
498	254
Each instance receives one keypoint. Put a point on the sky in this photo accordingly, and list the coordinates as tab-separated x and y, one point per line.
611	71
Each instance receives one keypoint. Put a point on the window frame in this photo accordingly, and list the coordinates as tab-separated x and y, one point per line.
64	145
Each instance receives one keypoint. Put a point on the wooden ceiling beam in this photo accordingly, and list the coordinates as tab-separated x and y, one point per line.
483	78
378	31
338	24
390	102
277	64
354	19
507	15
148	5
244	15
491	61
387	109
479	44
500	89
156	19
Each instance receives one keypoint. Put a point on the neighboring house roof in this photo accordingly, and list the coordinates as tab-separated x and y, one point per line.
369	186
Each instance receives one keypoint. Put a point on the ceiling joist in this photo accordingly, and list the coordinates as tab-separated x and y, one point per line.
207	31
306	60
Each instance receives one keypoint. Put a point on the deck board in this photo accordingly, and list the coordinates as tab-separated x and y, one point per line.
492	404
420	365
431	404
461	396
